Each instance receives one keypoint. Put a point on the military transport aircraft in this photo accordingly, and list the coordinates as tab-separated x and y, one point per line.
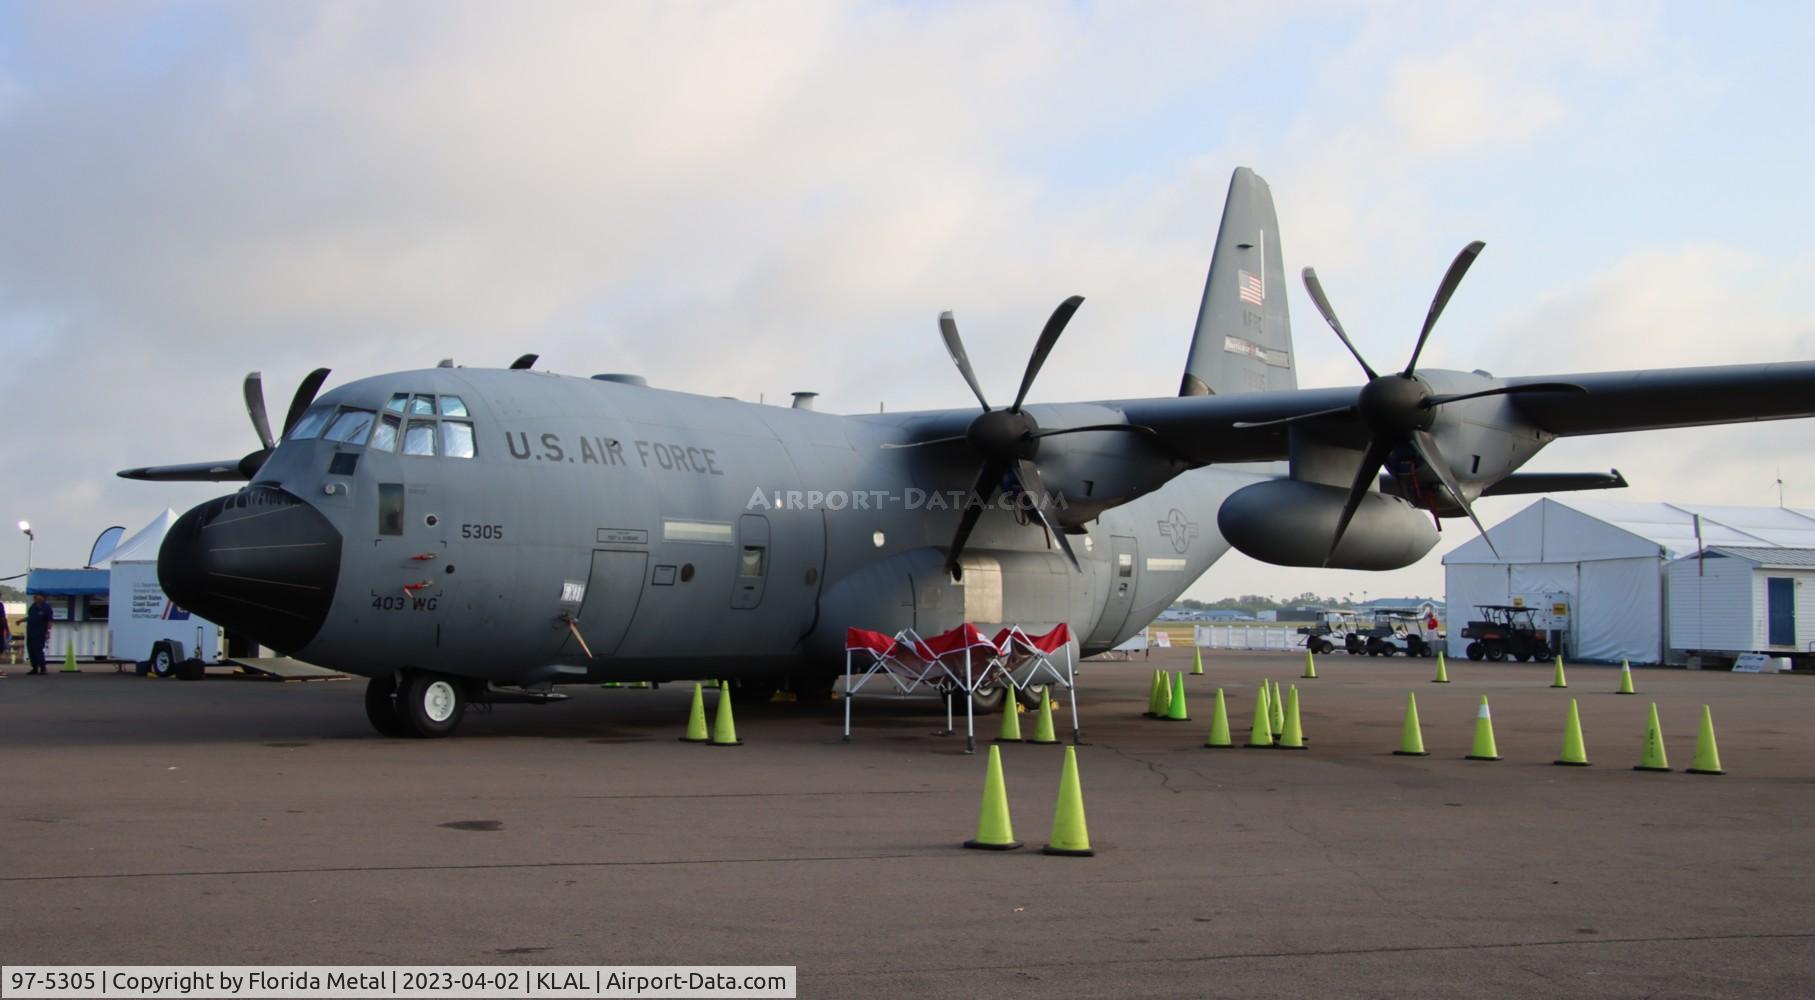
480	535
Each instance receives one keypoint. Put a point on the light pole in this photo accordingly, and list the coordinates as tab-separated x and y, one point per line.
25	526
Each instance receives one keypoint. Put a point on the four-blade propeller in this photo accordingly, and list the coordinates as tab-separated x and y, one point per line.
1009	439
1399	408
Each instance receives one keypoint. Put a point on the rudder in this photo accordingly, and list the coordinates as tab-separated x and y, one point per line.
1243	341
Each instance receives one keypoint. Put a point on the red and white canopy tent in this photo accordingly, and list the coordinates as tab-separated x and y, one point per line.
960	659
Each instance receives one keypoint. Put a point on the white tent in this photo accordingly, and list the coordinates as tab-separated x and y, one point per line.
140	613
1608	556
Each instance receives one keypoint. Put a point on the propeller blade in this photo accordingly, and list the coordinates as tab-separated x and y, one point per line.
918	444
1055	325
1451	279
1506	390
524	363
989	477
1242	425
305	394
1134	428
1322	303
1427	450
948	328
1378	449
1033	487
255	408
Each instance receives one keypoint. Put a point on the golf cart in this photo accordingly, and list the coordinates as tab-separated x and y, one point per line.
1403	633
1339	629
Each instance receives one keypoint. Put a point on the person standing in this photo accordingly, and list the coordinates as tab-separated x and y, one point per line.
37	632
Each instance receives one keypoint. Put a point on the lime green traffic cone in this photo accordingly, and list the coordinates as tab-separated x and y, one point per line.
1070	835
1574	753
1484	734
1442	671
69	657
994	830
1558	681
1175	709
724	731
696	718
1294	736
1310	666
1411	737
1158	696
1011	720
1043	733
1654	758
1219	724
1197	660
1261	734
1707	755
1625	679
1276	711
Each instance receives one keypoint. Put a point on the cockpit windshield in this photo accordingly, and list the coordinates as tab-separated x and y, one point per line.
410	423
311	423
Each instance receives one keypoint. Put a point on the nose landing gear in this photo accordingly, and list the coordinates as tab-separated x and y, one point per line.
424	705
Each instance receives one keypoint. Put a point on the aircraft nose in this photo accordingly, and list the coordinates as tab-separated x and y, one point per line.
260	562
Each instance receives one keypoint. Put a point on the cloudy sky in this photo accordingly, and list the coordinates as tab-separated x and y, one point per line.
747	199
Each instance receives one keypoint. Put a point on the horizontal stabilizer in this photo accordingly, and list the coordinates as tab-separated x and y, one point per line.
1555	482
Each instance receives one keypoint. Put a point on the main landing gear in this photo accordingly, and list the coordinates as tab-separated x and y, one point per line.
418	703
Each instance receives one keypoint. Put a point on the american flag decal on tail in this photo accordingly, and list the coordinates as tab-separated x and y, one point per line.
1249	288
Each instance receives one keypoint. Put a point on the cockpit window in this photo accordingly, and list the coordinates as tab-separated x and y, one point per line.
456	438
351	427
384	436
311	423
426	424
419	438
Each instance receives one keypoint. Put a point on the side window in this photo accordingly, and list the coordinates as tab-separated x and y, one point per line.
311	423
419	438
390	508
453	406
351	427
1124	564
456	438
384	436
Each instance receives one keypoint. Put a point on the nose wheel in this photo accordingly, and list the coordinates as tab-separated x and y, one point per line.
425	705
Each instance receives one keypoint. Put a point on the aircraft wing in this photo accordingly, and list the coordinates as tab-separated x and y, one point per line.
1672	397
195	472
1207	429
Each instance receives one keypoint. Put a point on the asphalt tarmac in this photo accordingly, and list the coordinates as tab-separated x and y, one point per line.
247	822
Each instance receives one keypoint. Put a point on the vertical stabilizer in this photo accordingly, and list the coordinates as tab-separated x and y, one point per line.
1243	341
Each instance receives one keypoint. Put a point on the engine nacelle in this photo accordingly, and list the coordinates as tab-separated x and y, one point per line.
1290	523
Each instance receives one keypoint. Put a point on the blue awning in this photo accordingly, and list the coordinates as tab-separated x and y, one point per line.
67	582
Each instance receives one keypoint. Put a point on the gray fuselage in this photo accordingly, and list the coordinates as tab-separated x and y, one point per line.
603	530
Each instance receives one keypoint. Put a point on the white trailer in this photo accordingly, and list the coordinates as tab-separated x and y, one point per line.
146	625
